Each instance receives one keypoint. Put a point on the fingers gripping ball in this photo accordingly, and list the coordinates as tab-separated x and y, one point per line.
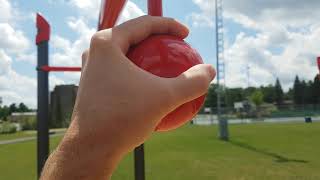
168	56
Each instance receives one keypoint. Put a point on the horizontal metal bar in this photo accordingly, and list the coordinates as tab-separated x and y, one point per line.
59	69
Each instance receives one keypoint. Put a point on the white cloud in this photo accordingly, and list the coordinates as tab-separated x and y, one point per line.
13	41
204	18
130	11
296	58
283	46
15	87
6	11
87	8
68	53
5	63
14	46
200	20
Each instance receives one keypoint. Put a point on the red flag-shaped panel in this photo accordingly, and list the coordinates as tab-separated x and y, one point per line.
109	13
43	29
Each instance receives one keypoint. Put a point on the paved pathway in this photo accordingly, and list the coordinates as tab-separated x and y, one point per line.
19	140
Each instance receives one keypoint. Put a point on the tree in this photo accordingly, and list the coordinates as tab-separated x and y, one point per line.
211	100
13	108
23	108
289	94
4	112
257	98
234	95
278	93
315	90
304	89
297	91
268	93
308	98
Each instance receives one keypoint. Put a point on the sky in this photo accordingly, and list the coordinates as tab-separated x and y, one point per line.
273	38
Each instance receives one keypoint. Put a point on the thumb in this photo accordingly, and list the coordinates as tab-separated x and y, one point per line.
193	83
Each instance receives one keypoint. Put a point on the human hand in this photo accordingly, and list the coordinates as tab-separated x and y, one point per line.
118	104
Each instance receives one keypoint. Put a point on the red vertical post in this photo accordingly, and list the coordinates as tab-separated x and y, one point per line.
109	13
155	7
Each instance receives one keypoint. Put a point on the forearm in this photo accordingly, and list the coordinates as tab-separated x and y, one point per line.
80	156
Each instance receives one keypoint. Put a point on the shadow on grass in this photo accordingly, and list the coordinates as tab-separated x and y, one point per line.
278	158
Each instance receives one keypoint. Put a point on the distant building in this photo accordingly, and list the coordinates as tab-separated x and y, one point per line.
17	117
62	100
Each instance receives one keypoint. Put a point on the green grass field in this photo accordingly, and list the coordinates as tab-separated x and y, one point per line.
20	134
255	152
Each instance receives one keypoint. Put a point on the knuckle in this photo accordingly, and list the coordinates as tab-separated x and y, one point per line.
146	17
101	38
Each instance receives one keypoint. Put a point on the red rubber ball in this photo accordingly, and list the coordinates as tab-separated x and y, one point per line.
168	56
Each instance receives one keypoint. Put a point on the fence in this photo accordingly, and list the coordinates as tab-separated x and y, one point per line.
264	113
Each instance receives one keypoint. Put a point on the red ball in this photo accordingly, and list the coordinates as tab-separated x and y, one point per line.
168	56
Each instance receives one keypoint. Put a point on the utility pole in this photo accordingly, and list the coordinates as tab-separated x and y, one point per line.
223	123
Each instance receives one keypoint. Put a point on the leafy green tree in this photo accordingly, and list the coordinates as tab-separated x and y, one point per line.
211	100
289	94
4	112
315	90
297	91
257	98
304	90
278	93
234	95
13	108
268	93
308	97
23	108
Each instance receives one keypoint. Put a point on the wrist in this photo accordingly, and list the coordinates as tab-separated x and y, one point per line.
82	156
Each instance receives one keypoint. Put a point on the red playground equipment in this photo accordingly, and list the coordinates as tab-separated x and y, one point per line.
175	55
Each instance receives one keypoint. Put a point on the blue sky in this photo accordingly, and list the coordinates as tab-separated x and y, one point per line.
276	39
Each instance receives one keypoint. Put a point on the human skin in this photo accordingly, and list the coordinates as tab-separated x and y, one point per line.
118	104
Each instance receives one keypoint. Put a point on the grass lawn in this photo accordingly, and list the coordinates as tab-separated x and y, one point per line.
23	134
16	135
255	152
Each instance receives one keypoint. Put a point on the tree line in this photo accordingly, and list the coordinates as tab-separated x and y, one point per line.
301	93
6	111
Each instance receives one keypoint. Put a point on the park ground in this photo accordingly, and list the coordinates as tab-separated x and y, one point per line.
281	151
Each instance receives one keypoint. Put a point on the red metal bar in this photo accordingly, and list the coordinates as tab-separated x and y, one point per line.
155	7
59	69
109	13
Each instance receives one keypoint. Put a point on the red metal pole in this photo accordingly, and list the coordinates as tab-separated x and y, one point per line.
155	7
109	13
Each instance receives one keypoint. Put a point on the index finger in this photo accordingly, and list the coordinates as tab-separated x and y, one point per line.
136	30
